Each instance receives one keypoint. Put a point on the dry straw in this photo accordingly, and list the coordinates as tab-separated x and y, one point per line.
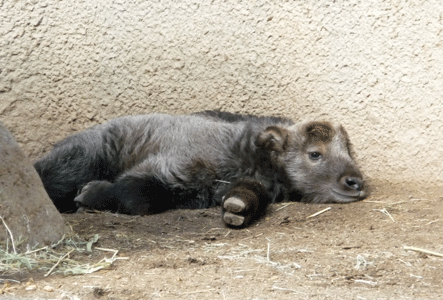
423	251
318	213
57	258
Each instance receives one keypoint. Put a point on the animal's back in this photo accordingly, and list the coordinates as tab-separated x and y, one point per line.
135	138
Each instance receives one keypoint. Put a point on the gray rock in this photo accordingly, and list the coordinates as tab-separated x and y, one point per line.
24	205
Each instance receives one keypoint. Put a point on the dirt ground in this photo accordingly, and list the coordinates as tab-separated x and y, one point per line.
353	251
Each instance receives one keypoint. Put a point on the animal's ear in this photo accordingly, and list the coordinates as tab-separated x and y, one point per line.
314	131
273	138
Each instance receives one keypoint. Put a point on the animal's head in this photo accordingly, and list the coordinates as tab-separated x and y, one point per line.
317	158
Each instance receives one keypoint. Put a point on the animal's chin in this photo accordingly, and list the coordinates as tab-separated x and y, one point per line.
342	196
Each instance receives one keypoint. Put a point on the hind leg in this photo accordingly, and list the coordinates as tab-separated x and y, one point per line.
129	195
70	165
244	202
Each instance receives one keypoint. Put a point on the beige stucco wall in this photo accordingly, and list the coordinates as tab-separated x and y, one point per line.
373	65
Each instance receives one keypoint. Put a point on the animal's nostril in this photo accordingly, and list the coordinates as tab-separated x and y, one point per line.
353	183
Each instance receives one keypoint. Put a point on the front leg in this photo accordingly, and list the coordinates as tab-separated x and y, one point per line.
244	202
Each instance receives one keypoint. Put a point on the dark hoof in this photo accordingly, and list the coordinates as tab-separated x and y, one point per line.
234	207
91	195
234	204
233	220
79	199
80	210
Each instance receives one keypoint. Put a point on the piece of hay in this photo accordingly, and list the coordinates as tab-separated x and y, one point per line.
284	206
58	262
423	251
10	234
384	211
318	213
366	282
92	240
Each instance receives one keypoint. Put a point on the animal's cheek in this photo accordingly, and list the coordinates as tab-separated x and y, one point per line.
317	167
318	174
316	164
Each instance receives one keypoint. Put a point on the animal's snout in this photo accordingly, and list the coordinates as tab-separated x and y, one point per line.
353	183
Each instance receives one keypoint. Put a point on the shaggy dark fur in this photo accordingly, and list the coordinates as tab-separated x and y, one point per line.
147	164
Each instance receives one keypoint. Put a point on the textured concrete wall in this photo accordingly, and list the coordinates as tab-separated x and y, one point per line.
375	66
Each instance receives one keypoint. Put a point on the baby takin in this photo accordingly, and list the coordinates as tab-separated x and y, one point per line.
146	164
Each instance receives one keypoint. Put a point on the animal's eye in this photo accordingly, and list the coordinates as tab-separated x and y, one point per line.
314	155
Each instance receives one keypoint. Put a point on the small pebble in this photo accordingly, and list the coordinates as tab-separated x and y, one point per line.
48	288
31	287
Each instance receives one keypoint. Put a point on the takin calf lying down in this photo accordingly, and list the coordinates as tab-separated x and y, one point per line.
147	164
